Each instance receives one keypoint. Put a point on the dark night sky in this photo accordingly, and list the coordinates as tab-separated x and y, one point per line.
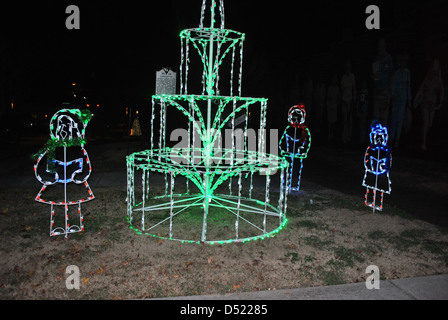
121	44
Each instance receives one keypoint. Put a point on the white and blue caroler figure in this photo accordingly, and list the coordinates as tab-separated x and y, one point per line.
66	164
377	163
295	144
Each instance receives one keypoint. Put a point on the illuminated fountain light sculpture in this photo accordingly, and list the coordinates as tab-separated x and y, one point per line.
203	212
295	144
67	135
377	163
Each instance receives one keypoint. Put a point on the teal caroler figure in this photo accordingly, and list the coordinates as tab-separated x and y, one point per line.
295	144
377	164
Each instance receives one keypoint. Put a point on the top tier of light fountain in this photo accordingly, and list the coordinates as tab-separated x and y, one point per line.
213	44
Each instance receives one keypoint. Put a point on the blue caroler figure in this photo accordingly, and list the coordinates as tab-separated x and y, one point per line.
295	144
377	162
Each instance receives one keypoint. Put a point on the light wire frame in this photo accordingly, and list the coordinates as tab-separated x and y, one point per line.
204	212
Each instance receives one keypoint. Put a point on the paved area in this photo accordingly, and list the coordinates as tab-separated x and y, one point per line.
420	288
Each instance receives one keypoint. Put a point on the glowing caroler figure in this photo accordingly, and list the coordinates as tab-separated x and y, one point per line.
67	164
295	144
377	162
